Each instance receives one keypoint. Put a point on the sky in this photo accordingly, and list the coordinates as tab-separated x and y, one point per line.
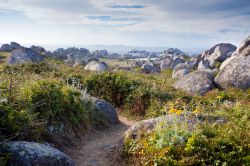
150	23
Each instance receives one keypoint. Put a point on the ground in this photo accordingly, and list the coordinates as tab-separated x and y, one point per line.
98	148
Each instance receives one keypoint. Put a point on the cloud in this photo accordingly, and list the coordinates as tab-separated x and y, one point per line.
163	15
209	20
127	6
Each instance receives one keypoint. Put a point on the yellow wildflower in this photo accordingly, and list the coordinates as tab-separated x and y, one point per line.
141	152
219	97
196	111
172	110
178	112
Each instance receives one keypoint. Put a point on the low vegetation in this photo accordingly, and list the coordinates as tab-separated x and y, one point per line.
40	99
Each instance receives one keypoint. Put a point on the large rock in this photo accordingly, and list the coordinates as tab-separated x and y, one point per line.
24	55
226	62
29	153
224	47
149	68
236	72
220	53
197	82
166	63
144	126
106	109
204	64
176	62
96	66
180	70
147	126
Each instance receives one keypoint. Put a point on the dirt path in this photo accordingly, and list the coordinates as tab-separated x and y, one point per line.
98	147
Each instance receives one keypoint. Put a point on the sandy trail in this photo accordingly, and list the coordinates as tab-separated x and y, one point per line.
98	148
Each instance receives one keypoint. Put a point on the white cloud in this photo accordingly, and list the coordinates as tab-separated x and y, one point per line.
173	19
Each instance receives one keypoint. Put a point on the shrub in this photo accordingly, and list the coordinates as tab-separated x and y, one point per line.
19	124
206	144
44	97
138	102
56	102
114	88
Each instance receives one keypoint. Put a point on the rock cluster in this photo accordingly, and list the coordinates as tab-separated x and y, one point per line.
24	55
233	72
175	51
236	71
10	47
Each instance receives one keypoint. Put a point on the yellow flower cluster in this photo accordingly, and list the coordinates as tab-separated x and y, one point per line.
172	110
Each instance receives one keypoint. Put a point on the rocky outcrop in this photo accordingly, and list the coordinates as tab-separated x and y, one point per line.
76	53
24	55
197	82
38	49
236	71
106	109
180	70
173	51
30	153
96	66
177	61
149	68
10	47
166	63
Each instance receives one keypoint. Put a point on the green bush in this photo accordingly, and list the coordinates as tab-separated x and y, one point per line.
44	97
114	88
55	102
19	124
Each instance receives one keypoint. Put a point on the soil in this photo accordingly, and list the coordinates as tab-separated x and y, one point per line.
99	147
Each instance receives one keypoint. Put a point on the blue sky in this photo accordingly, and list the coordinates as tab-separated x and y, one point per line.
164	23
